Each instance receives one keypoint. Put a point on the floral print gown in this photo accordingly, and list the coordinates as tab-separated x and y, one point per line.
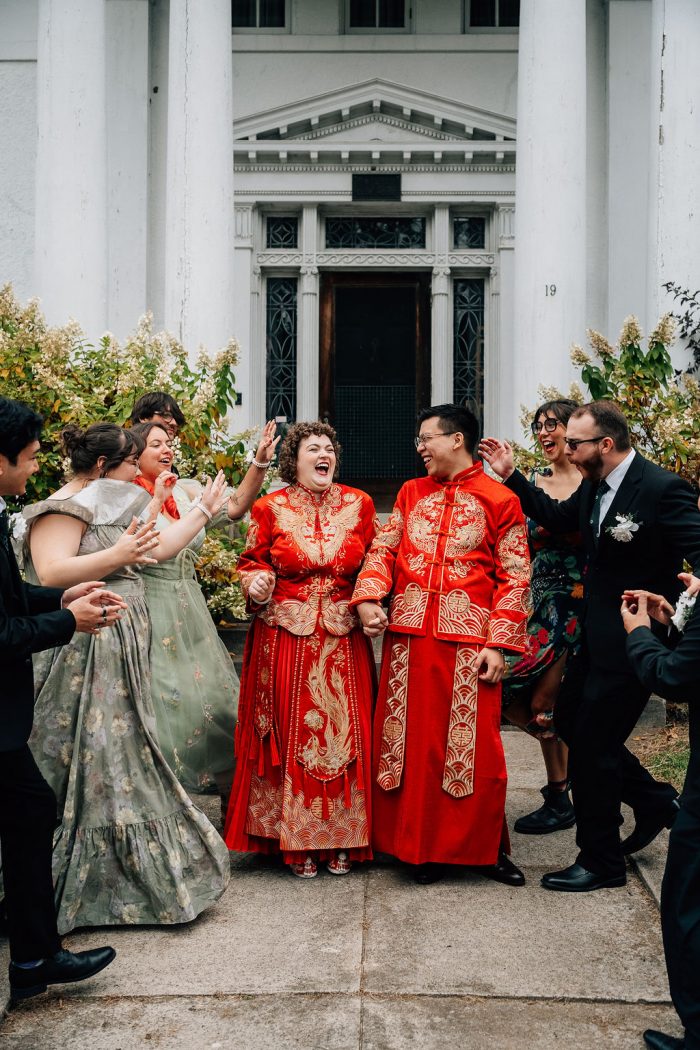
303	773
194	682
131	846
557	599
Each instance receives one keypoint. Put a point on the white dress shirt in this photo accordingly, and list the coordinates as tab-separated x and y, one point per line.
614	479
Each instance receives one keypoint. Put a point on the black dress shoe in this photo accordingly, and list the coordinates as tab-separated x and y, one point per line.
647	828
555	814
425	874
661	1041
62	968
577	879
502	871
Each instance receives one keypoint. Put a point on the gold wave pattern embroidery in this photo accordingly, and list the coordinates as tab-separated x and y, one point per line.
408	608
393	743
304	827
458	773
264	818
513	553
299	617
467	527
335	520
505	632
518	600
458	614
369	588
331	713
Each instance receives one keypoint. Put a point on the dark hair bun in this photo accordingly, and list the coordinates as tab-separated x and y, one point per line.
72	437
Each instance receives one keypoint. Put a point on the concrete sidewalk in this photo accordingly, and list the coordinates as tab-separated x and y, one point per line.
373	962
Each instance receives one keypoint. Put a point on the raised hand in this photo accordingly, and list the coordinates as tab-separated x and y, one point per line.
213	495
373	618
268	443
135	542
163	484
498	455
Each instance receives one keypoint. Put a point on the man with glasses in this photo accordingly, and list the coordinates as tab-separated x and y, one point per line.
158	407
454	558
638	522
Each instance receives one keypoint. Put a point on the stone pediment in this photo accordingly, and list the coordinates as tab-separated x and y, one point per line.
376	111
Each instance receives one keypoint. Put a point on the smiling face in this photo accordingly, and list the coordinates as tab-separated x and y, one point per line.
588	458
14	476
443	454
316	462
157	455
551	441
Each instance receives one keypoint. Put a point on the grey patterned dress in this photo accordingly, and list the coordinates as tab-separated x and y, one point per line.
195	685
131	846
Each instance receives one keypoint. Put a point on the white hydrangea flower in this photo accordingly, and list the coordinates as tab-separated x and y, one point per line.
625	529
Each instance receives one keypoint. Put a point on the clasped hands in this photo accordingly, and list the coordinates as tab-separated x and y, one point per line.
490	665
92	606
640	607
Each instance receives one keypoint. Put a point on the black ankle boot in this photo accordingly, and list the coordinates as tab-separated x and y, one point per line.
555	814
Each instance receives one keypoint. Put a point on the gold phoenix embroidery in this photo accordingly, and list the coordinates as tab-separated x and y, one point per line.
512	552
331	714
335	522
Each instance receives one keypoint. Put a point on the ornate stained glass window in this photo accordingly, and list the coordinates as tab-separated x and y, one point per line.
470	232
469	344
370	232
282	347
282	231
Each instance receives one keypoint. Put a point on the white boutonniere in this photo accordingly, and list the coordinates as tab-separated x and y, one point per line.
685	606
18	527
625	529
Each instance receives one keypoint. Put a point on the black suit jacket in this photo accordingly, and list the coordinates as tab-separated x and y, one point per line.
674	675
665	508
31	619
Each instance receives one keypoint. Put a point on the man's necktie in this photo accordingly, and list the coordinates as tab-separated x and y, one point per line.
603	487
5	532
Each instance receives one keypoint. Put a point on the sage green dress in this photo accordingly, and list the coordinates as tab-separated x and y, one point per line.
131	846
195	685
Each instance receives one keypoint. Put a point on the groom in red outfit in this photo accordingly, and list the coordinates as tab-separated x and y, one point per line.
454	558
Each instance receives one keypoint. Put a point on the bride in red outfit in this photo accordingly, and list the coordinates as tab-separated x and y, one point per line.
303	735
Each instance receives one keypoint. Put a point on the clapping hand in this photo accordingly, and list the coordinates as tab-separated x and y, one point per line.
655	606
134	543
498	455
268	443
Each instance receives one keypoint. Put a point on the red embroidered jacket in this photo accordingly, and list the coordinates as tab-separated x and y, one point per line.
314	546
454	557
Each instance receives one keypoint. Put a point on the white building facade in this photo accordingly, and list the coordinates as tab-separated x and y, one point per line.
389	203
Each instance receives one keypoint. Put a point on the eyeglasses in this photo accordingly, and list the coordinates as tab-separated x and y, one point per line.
549	424
574	443
423	439
167	417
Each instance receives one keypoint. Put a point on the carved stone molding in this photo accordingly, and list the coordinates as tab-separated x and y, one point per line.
471	258
417	258
319	167
374	118
279	258
243	222
344	196
506	223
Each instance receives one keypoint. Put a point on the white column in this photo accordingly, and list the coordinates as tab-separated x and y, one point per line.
674	220
442	372
245	416
499	392
71	170
127	152
308	320
199	290
550	251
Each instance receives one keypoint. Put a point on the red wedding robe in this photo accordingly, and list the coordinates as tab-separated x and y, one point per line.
304	717
455	560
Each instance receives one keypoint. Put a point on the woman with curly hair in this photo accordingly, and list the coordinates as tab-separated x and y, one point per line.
303	738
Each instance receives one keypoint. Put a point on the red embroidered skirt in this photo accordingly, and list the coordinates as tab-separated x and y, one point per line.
302	780
438	773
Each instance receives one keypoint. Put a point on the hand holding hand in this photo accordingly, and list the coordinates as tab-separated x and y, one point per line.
656	605
498	455
134	543
373	618
261	587
94	588
634	612
490	665
268	443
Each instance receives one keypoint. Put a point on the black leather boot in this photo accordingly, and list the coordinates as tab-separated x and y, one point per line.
555	814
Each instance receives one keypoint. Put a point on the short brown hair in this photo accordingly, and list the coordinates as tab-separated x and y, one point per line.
609	420
289	449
